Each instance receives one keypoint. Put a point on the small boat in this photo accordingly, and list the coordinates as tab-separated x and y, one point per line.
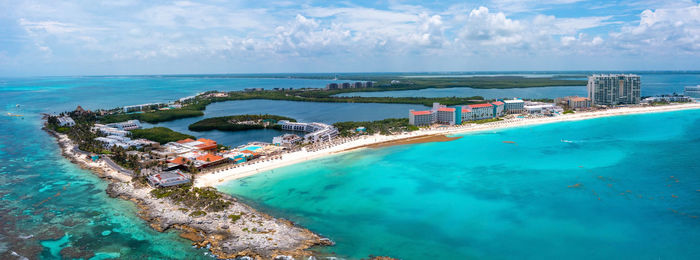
566	141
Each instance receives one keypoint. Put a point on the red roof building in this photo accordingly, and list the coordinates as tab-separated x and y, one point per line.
179	160
419	113
498	103
480	105
446	109
207	144
210	158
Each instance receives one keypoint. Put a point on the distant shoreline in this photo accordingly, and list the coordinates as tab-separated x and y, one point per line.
421	136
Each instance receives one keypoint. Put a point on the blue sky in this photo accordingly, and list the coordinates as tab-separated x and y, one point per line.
175	37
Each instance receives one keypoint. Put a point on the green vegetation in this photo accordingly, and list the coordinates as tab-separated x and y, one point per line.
386	126
483	121
327	96
569	111
192	108
238	122
234	218
80	133
198	213
200	199
383	80
159	134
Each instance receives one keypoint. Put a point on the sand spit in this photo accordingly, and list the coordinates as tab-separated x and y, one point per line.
254	234
412	140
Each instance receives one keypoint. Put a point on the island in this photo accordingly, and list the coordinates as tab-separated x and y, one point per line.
239	123
161	135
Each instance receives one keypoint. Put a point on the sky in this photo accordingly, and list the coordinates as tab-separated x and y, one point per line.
117	37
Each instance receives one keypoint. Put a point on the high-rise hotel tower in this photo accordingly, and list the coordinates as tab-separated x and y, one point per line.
614	89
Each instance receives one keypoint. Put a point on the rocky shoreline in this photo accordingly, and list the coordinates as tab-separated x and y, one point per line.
249	233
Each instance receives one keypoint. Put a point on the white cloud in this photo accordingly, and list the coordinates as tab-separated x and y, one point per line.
662	30
141	31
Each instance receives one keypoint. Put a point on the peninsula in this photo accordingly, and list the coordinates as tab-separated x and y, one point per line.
239	122
171	176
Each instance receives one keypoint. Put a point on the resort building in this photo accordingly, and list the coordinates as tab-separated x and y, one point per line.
498	108
514	106
332	86
127	126
66	121
667	99
149	106
124	142
200	144
446	115
614	89
465	114
574	102
208	160
316	132
420	118
168	178
692	92
357	84
369	84
286	140
481	111
100	128
542	108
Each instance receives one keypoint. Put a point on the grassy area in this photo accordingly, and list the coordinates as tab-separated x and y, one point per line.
232	123
483	121
154	116
199	199
159	134
386	126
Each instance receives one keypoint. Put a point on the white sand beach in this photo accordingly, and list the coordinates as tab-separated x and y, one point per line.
345	145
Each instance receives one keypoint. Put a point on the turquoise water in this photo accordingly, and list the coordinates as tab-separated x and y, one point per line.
48	206
46	201
626	188
252	148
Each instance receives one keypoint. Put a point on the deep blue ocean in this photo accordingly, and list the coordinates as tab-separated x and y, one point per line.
480	198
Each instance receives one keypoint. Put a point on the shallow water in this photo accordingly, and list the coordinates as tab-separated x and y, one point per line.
44	199
47	204
625	188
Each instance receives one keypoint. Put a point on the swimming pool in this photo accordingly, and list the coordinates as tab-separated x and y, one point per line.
251	148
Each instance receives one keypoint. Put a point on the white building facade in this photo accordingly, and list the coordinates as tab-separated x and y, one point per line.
614	89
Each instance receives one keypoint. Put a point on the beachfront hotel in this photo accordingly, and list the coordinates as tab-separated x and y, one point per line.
446	115
420	118
574	102
614	89
692	92
442	114
315	131
481	111
514	106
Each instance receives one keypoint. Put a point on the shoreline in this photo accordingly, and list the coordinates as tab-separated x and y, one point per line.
253	234
216	178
